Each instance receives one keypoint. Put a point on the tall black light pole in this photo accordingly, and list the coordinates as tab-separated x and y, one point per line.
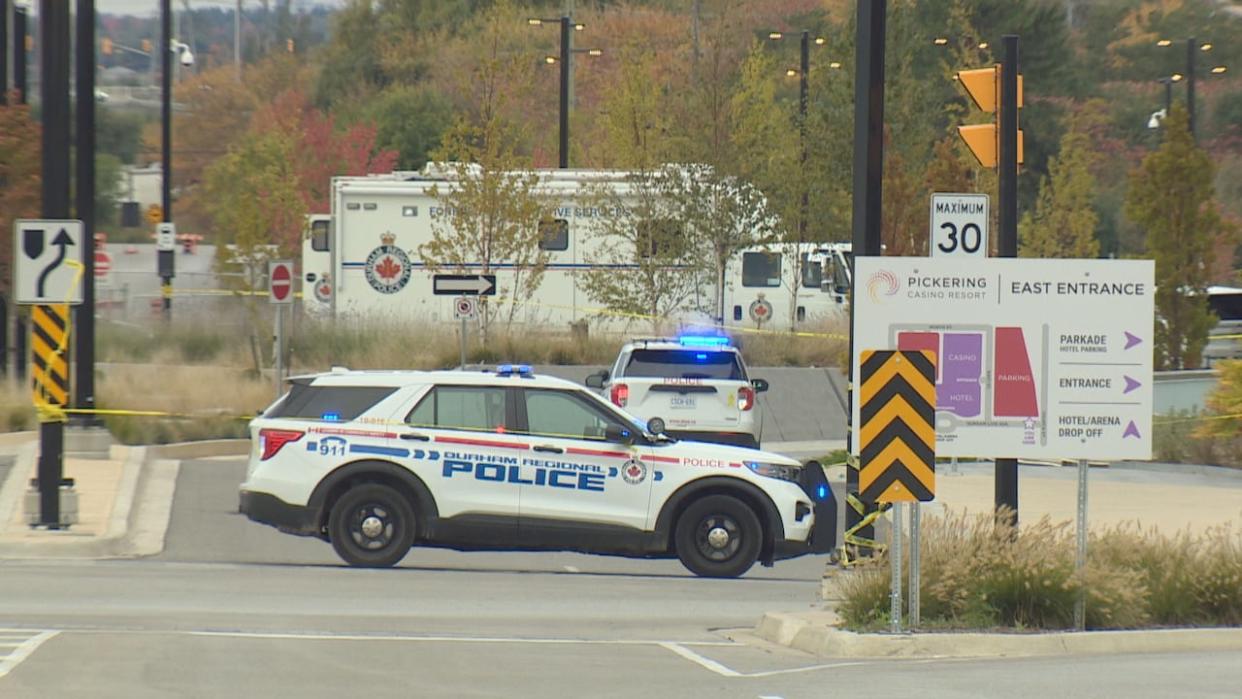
165	49
568	26
54	91
19	53
804	73
4	58
84	314
1005	470
566	57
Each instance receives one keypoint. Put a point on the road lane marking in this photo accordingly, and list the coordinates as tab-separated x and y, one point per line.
452	639
23	650
725	671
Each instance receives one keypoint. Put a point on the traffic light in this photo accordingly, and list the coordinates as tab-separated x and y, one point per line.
983	86
146	45
105	46
289	45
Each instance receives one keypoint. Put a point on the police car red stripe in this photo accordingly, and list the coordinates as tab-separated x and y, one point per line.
595	452
483	443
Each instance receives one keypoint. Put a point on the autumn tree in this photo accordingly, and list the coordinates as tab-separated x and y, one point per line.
1064	220
20	181
1171	198
492	202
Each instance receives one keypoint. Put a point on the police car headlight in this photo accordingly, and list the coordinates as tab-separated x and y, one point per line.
781	471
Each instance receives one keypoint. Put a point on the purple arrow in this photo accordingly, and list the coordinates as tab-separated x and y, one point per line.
1131	431
1131	384
1131	340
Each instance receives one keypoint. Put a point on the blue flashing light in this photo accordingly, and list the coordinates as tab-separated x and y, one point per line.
704	340
700	356
523	370
821	492
331	417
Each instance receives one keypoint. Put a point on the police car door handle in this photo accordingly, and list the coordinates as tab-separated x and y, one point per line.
415	437
548	448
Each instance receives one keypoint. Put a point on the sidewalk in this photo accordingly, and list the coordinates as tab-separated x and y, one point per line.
1166	497
124	501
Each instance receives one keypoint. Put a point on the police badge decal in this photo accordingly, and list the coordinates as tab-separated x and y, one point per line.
634	472
388	267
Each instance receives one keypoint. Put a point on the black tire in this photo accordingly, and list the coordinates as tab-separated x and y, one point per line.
371	526
718	536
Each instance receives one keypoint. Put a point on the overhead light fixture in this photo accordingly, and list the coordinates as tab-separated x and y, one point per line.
1219	69
940	41
595	52
983	44
1164	42
820	41
1176	77
791	72
549	59
579	27
835	64
534	21
775	35
1207	46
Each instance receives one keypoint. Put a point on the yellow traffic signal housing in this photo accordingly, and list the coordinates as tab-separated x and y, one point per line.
984	142
983	86
105	46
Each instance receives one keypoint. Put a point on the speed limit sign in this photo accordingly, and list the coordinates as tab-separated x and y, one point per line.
463	307
959	225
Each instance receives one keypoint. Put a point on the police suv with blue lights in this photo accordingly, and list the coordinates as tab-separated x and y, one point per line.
377	462
697	385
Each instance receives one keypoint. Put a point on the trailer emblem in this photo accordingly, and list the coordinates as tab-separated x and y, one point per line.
323	289
760	310
388	267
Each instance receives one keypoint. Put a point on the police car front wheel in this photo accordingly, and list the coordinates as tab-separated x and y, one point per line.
371	526
718	537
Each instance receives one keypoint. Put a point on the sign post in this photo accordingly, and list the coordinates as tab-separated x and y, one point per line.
464	309
280	294
1080	556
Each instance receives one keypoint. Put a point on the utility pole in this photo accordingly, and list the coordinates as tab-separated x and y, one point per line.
804	72
54	91
21	87
167	258
868	179
566	56
84	313
1006	470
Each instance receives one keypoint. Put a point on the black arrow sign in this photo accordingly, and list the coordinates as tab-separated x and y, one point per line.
61	241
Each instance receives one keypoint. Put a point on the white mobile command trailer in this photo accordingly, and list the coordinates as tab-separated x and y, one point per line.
363	260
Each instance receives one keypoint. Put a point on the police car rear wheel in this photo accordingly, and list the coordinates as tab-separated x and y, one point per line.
371	526
718	537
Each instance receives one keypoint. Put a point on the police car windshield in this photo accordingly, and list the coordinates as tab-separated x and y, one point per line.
685	364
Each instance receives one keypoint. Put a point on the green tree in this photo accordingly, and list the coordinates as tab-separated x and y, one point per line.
410	121
20	180
1064	221
1171	198
492	204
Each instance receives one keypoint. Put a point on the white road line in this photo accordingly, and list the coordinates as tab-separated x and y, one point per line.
724	671
23	651
572	569
452	639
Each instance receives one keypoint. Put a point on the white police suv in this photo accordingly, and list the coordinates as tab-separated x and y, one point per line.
696	385
379	461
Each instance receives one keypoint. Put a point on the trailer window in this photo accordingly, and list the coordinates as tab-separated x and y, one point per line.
554	234
319	235
812	272
761	269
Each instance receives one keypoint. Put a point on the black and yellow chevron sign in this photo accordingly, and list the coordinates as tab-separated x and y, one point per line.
897	437
49	329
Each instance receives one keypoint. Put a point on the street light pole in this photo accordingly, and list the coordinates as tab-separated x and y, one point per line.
84	314
802	100
1190	83
166	52
566	55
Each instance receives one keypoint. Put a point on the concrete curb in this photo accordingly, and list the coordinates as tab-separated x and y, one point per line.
812	633
201	450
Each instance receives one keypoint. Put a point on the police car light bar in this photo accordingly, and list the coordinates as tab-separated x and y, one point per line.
515	369
704	340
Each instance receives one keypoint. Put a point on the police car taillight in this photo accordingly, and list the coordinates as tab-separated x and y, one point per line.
745	398
271	441
619	394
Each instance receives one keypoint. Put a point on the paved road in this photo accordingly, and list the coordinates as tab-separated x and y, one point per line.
235	609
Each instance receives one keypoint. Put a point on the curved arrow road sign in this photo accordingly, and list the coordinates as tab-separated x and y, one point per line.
44	270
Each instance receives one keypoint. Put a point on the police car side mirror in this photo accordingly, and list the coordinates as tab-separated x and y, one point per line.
760	385
618	435
597	379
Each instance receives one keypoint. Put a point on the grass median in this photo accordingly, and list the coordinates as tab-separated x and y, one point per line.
978	574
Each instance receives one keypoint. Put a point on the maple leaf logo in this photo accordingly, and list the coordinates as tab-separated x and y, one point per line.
387	268
634	471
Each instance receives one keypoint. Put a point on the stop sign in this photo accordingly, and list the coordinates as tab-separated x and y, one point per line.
280	281
103	264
